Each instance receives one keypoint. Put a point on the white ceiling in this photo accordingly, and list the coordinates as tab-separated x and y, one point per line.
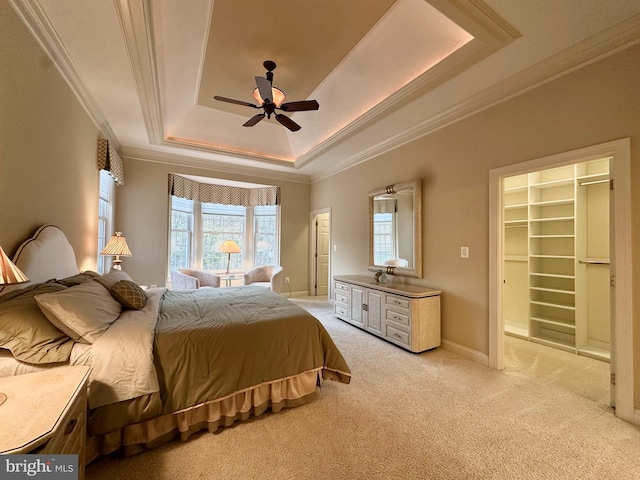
384	72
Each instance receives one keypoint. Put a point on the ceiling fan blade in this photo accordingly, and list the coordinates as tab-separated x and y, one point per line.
253	120
237	102
300	106
287	122
264	87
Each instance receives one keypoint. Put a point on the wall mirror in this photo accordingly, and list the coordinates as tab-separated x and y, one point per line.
395	229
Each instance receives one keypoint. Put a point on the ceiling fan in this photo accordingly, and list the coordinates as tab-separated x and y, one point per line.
270	99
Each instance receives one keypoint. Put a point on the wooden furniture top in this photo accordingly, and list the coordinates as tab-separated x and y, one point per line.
36	402
404	289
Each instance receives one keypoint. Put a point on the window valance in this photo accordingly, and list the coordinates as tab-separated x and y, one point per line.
385	206
223	194
108	159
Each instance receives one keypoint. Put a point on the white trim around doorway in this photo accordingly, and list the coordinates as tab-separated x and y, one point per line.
620	152
312	267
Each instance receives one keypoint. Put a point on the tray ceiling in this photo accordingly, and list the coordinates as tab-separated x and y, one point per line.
147	71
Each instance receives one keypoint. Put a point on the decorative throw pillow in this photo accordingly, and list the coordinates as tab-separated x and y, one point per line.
114	276
83	312
129	294
26	331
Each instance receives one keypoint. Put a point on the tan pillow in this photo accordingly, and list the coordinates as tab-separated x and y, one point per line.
83	312
129	294
113	277
26	331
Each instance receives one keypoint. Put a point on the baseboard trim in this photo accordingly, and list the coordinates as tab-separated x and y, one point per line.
301	293
466	352
636	416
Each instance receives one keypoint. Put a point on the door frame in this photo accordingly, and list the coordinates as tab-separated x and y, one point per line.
620	222
312	250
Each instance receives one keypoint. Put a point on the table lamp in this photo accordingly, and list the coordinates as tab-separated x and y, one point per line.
229	247
117	247
9	275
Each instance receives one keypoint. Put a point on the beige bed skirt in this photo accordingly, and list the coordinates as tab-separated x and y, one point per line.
211	415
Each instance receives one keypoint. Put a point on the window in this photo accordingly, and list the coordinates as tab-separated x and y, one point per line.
105	216
197	229
181	233
265	238
220	223
383	237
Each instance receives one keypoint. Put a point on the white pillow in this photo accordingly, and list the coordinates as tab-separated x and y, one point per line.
83	312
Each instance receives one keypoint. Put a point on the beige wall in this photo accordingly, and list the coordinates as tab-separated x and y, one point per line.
48	171
594	105
142	214
48	175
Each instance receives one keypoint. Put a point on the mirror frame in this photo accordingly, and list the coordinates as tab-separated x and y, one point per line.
416	187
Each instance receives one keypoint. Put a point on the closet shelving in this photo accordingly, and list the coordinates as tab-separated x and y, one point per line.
547	257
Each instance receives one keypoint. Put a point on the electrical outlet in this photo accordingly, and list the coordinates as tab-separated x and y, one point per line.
464	252
286	279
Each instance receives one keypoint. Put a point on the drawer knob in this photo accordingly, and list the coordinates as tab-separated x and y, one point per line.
71	426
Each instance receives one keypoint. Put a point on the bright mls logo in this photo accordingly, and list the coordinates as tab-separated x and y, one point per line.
52	467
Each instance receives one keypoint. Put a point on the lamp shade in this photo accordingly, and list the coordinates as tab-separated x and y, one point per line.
117	246
229	246
277	95
9	273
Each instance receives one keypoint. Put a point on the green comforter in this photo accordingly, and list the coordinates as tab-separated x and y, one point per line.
211	343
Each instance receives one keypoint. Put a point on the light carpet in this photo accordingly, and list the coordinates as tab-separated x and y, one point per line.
405	416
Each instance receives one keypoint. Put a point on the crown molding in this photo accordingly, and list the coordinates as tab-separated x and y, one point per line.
490	33
597	47
136	25
192	145
143	155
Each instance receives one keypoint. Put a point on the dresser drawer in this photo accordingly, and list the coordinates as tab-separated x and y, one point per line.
342	297
398	317
341	287
397	302
397	336
69	437
341	312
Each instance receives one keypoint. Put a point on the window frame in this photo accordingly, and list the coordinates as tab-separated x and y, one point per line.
249	235
106	198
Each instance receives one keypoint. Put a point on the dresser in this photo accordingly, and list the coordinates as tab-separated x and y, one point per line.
405	315
45	413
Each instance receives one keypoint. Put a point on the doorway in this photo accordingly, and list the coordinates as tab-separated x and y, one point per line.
617	154
320	228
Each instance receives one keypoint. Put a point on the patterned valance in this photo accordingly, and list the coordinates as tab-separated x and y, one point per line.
385	206
222	194
108	159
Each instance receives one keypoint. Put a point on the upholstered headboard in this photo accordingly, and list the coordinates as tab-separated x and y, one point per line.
46	255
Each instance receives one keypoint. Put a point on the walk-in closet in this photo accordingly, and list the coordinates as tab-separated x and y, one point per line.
556	287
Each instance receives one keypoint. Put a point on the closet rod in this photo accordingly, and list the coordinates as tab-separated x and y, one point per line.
593	182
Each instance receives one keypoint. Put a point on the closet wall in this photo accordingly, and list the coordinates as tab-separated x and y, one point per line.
556	257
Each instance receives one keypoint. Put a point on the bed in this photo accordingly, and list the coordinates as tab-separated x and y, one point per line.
164	364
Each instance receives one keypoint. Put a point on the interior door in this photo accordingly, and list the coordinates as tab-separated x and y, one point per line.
322	254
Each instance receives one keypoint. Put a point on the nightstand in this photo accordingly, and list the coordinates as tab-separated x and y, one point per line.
46	413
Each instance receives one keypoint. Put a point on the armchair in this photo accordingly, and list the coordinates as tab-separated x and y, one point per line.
268	276
190	279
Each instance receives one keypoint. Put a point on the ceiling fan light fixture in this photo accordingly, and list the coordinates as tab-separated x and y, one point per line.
276	93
